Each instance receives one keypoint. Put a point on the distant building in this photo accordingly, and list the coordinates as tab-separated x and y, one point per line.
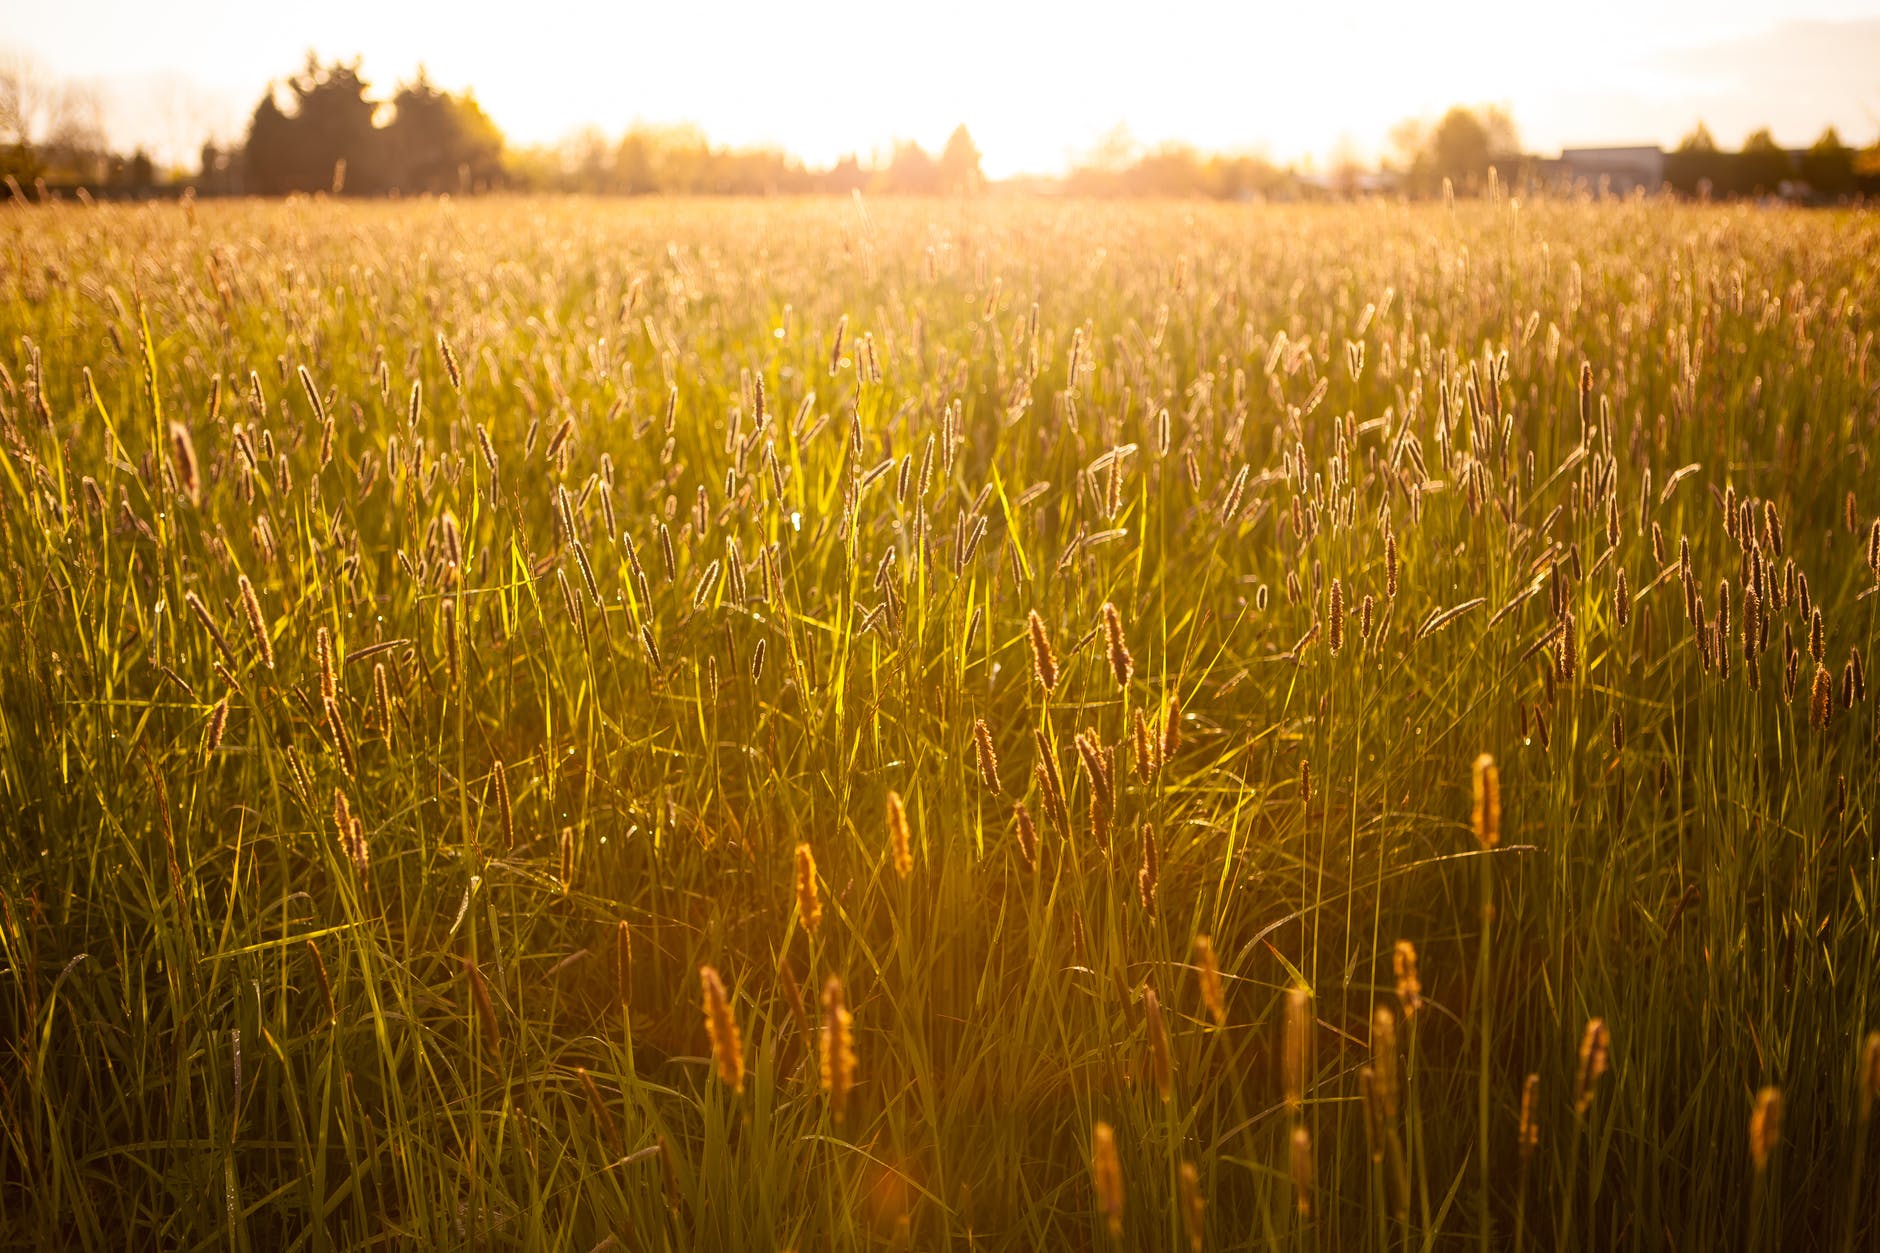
1611	171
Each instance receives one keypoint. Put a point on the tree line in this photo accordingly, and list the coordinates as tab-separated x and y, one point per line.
323	130
1828	168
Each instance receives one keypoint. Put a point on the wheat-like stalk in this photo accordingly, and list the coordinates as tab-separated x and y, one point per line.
1161	1063
1595	1046
1409	984
1486	817
1208	974
1296	1046
1106	1171
721	1027
1765	1127
1044	665
808	899
1122	665
836	1047
900	838
987	760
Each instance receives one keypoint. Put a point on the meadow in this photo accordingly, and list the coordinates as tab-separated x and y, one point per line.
938	725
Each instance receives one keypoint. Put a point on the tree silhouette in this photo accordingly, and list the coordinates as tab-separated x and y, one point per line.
912	170
1459	149
1764	166
1699	140
1695	167
959	163
269	153
438	142
327	143
1828	165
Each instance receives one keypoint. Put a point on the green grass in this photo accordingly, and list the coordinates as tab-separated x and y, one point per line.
1685	857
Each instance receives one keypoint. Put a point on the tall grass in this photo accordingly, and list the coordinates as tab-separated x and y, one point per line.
460	656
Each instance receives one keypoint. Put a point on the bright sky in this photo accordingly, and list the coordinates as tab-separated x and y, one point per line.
1037	83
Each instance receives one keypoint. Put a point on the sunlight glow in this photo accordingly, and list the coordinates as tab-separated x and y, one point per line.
1037	84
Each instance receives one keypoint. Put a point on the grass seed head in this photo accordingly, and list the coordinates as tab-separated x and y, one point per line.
1335	630
1161	1065
986	758
1150	873
1821	699
808	900
1194	1206
598	1107
1528	1131
1486	818
1384	1059
1208	974
900	838
836	1047
1296	1046
1122	665
183	460
1301	1168
1044	664
1409	984
1027	835
1765	1127
499	784
1106	1171
722	1028
1172	730
1595	1049
257	625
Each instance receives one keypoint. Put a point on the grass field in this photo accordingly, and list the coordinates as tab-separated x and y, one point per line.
523	726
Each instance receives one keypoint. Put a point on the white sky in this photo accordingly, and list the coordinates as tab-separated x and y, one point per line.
1035	82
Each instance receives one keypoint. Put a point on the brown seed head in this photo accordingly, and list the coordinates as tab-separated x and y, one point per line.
987	759
1106	1171
499	783
1409	985
1161	1067
1487	815
1044	664
808	901
1208	973
1821	699
1384	1059
1302	1170
1194	1207
1027	835
1172	730
1529	1133
722	1027
1150	873
1765	1127
836	1047
323	648
257	625
486	1009
1122	665
1595	1046
183	456
900	839
1296	1046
